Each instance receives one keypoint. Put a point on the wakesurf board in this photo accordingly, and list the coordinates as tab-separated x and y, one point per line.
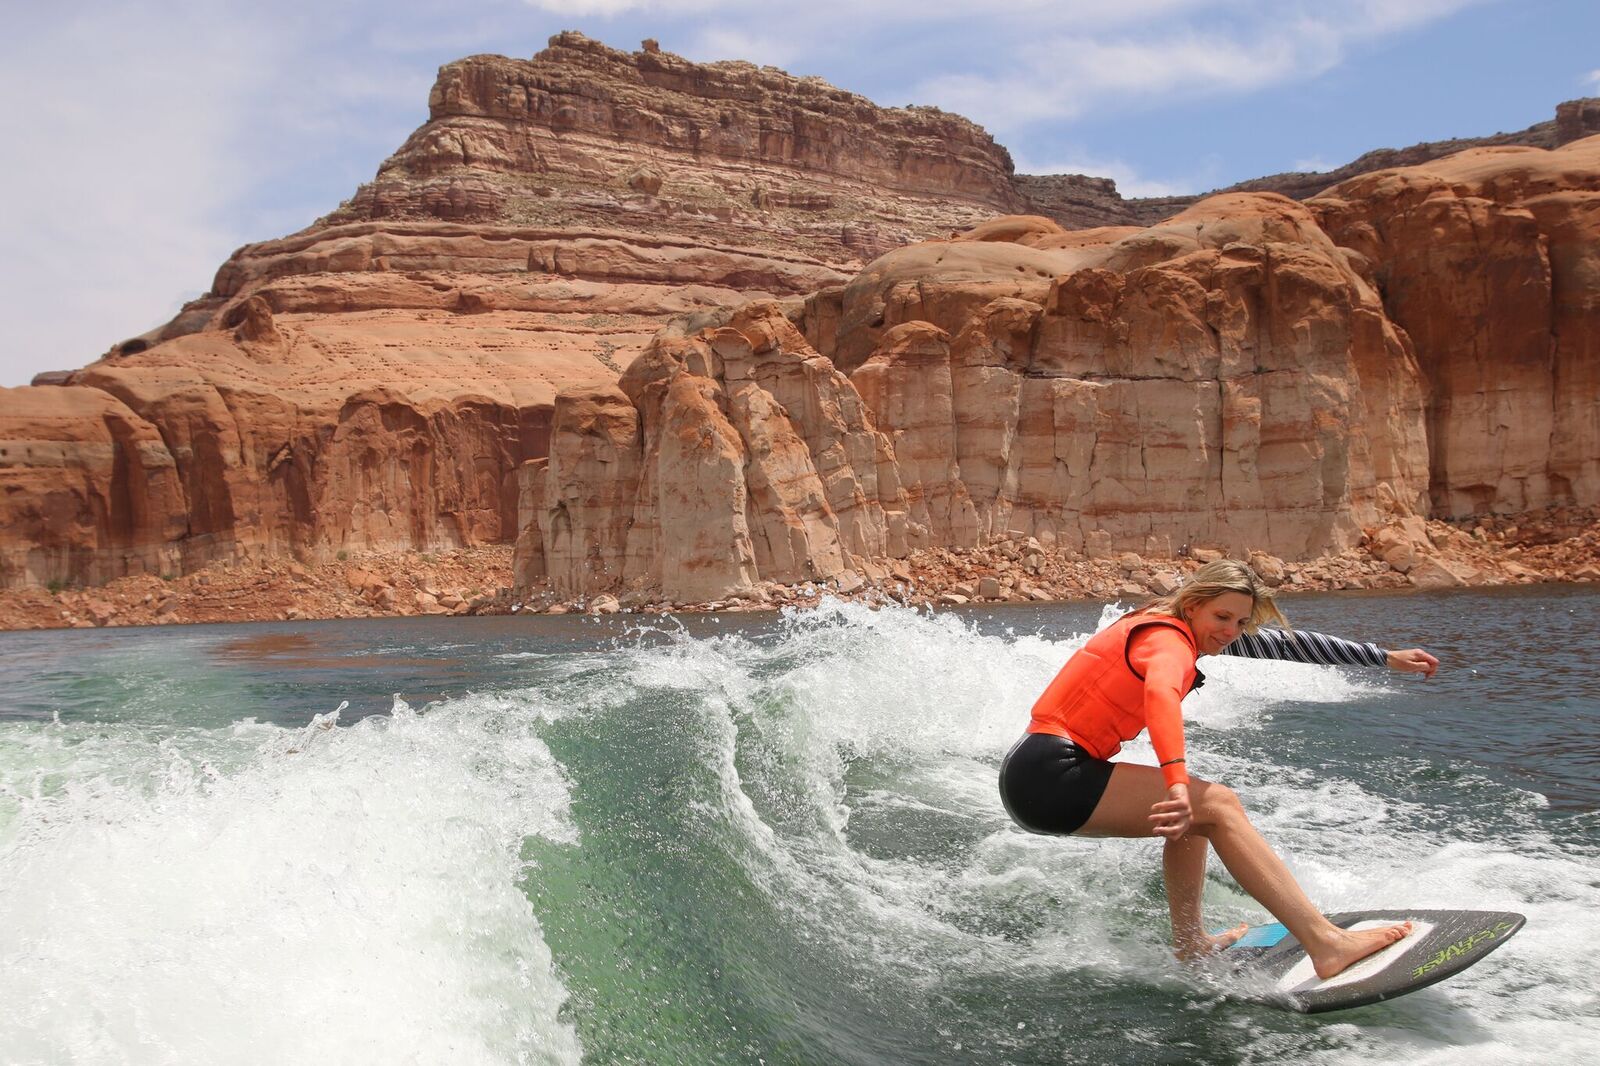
1442	943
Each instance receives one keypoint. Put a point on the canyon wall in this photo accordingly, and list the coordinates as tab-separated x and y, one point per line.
1252	375
717	153
693	326
1225	380
375	381
1490	261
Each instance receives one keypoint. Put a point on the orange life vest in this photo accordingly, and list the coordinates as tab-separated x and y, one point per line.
1097	701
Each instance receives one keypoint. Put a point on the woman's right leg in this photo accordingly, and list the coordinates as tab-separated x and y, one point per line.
1124	811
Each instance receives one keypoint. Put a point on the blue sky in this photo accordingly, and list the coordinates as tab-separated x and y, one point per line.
144	142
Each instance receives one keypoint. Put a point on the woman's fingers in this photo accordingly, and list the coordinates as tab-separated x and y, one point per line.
1172	829
1170	818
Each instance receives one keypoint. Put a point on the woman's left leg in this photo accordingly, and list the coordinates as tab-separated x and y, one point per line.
1183	867
1124	811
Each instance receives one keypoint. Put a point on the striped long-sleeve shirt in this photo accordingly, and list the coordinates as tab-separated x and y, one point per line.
1304	646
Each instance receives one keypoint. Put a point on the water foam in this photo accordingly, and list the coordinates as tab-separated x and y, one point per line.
924	704
259	894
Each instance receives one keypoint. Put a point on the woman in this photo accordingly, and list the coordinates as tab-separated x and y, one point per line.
1131	676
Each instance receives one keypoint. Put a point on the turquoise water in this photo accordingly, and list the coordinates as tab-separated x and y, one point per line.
748	839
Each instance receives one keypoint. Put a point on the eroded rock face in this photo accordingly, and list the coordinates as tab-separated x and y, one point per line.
1490	261
757	460
87	487
735	154
1318	398
592	476
1225	379
575	224
301	446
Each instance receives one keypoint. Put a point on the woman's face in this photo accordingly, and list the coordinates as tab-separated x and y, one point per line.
1215	622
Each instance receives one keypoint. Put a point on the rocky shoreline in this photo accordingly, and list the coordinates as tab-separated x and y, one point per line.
1554	545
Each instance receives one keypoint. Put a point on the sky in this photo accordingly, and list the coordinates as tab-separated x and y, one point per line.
145	141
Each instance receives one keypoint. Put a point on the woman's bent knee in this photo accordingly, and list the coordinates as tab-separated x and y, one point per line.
1216	805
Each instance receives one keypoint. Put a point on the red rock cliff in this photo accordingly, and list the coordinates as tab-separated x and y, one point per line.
1490	261
1225	379
470	349
718	152
375	381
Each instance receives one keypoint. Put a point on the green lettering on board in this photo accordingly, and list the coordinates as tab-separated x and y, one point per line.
1460	948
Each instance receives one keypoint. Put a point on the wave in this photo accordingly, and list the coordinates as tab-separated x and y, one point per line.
857	752
261	894
780	841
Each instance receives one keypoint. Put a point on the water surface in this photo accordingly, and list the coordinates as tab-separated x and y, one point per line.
753	839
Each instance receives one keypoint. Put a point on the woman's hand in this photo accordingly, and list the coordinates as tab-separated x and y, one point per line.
1171	817
1413	661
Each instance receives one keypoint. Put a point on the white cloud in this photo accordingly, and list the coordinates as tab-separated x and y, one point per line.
1228	48
120	169
827	18
1130	183
725	42
1069	76
614	8
1591	79
1375	17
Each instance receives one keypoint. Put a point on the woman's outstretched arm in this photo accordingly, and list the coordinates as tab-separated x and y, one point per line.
1304	646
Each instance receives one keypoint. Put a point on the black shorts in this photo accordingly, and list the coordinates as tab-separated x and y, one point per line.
1050	785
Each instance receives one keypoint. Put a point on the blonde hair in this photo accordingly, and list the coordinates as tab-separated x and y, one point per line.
1211	581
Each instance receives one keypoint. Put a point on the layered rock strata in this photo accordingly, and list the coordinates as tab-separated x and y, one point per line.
1251	375
374	382
718	153
1226	379
299	433
725	458
382	381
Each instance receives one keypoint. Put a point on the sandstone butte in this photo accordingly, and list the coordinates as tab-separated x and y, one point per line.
684	331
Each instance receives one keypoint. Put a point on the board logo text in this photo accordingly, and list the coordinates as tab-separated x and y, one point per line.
1461	947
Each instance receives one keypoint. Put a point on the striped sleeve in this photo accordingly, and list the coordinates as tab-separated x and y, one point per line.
1304	646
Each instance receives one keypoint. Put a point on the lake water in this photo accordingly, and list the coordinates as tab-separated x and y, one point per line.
755	839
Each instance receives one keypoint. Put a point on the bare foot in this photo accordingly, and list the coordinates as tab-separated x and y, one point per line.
1349	947
1201	945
